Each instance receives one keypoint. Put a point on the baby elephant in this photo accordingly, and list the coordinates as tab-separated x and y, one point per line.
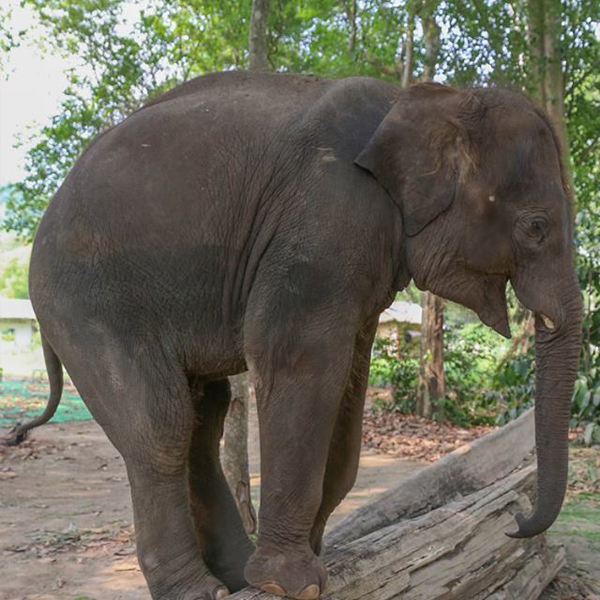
262	222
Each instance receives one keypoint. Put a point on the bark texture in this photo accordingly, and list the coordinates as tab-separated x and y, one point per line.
544	32
258	42
431	38
432	386
408	63
234	458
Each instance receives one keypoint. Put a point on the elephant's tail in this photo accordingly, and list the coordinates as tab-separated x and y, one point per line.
55	377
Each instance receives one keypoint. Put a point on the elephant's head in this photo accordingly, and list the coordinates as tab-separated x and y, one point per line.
479	179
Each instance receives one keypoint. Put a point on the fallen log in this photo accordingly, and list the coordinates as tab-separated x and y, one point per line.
458	551
447	542
469	468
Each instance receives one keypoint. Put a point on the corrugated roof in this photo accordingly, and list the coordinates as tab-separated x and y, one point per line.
11	308
402	312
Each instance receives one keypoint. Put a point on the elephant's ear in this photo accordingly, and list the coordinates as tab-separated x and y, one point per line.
418	154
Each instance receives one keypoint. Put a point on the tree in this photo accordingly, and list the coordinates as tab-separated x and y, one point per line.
432	386
472	43
258	38
234	457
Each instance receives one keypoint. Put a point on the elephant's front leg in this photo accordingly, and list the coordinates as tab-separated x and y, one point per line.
344	450
299	391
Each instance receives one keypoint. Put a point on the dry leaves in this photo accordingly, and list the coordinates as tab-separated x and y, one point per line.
572	585
584	471
117	539
413	437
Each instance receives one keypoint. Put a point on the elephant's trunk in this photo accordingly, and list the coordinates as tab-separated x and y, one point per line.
557	349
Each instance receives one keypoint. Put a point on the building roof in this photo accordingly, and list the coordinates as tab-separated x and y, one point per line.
402	312
11	308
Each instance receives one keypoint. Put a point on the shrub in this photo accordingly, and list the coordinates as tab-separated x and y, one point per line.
470	356
13	281
389	368
513	386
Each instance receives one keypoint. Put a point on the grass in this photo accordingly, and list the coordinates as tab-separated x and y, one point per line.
578	525
586	510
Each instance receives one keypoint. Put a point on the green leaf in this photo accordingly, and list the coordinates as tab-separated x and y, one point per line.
588	434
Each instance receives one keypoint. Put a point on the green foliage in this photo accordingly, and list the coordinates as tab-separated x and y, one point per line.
8	335
13	281
470	354
401	373
383	360
513	386
514	390
585	409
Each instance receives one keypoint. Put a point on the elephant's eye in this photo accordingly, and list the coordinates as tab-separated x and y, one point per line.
537	229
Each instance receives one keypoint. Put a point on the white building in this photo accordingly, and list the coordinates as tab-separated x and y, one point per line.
17	320
398	314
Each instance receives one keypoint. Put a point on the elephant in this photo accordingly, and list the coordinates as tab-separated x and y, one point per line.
262	222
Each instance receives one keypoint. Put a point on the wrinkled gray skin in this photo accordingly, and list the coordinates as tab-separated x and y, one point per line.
263	222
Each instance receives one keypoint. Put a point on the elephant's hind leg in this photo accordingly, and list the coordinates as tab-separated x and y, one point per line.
145	408
168	550
223	541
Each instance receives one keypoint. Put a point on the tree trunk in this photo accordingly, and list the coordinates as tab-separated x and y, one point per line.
407	66
544	32
351	7
535	35
554	82
431	38
258	42
543	35
432	387
234	458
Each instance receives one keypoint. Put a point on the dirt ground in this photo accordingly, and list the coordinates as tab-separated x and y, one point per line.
66	519
66	523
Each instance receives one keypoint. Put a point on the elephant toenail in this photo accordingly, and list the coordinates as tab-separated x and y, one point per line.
220	593
310	592
273	588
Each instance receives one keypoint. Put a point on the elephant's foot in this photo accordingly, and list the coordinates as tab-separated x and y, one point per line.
293	573
206	590
185	580
228	562
213	590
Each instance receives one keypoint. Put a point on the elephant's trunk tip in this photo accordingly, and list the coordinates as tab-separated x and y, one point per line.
528	527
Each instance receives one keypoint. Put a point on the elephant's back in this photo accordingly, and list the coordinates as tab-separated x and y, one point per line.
275	87
164	201
186	189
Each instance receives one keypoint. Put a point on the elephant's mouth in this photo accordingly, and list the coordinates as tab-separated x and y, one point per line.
493	311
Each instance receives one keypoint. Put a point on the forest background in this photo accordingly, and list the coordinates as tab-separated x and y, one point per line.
121	52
